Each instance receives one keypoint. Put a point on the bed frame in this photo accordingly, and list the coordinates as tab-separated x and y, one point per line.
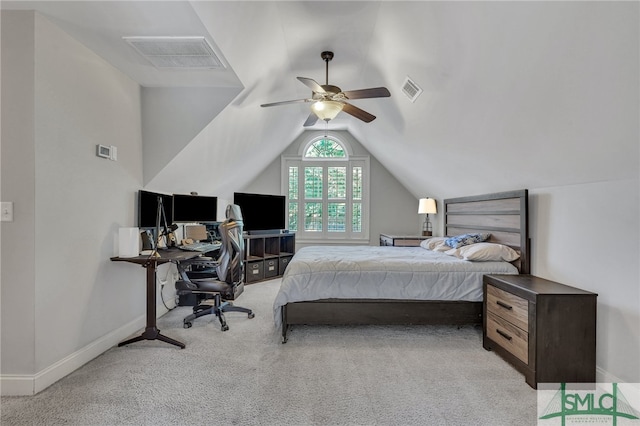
503	214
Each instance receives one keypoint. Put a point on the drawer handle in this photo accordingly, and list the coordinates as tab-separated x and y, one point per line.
503	334
504	305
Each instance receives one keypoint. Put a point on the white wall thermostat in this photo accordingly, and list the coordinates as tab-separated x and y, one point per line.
109	152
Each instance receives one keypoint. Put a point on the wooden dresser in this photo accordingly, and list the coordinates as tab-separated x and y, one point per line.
545	329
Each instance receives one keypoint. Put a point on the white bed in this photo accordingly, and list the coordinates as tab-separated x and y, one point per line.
372	272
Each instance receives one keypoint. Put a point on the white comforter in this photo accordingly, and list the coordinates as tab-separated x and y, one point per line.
378	272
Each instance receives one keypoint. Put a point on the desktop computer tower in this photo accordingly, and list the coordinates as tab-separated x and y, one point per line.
190	299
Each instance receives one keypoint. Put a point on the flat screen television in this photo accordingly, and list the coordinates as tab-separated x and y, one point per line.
148	207
261	212
194	208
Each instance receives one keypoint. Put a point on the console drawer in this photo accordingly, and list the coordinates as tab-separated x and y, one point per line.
510	337
512	308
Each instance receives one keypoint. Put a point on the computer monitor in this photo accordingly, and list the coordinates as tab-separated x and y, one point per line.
148	208
194	208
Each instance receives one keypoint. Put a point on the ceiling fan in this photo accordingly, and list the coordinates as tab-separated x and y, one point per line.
327	100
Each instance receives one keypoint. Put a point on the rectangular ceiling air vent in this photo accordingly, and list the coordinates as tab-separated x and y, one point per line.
176	52
411	89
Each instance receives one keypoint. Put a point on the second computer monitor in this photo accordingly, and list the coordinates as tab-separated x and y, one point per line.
194	208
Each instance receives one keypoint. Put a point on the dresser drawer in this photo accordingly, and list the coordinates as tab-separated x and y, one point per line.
512	308
510	337
386	241
407	242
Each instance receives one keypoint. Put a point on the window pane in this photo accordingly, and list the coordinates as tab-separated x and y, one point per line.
325	148
313	216
357	183
336	182
356	218
293	216
337	217
313	182
293	183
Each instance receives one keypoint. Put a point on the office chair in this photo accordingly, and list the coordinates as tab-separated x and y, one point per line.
229	269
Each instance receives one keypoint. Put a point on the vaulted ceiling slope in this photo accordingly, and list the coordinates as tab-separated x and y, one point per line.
515	94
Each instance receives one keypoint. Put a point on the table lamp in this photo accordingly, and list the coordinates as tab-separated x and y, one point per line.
426	206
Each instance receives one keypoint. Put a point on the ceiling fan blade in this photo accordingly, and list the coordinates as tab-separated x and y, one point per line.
311	120
312	84
375	92
358	113
297	101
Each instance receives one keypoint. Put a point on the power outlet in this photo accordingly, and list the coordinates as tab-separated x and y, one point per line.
6	211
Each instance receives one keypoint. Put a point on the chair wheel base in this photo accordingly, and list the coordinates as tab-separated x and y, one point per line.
187	325
224	327
251	315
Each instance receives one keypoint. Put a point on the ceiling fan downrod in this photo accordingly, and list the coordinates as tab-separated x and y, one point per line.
327	56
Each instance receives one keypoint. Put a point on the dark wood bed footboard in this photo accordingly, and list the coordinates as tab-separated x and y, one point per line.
379	312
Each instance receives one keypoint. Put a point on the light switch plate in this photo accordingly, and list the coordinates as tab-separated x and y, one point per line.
6	211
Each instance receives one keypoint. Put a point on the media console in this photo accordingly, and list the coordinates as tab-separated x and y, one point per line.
267	255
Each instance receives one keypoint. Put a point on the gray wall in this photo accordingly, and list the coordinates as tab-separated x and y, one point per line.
393	208
586	236
172	117
63	301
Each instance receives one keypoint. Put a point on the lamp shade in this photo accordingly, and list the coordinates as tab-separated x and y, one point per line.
427	206
327	110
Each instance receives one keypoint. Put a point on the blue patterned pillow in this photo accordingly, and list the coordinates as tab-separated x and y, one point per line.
466	239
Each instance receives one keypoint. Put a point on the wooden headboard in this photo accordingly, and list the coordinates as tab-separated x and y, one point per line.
505	215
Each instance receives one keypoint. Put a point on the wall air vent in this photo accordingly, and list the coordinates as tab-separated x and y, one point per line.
176	52
411	89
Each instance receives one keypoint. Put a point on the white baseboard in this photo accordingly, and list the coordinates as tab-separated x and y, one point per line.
31	384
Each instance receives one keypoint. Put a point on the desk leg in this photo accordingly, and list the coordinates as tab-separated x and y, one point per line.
151	332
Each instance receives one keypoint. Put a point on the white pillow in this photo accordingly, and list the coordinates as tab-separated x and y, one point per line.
442	247
485	252
432	242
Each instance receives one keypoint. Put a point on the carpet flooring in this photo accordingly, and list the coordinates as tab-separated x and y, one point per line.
324	375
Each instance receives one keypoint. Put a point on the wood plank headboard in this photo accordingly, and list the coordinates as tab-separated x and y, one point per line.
505	215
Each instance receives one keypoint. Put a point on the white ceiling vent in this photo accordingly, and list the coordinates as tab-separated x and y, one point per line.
411	89
176	52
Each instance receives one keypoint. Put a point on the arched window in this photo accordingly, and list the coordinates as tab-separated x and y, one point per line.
325	147
328	191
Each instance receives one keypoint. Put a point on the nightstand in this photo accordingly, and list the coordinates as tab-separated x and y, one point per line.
402	240
545	329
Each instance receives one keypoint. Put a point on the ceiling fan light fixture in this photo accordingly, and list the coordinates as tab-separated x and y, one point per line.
327	110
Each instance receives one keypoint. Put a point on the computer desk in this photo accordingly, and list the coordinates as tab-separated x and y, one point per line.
151	263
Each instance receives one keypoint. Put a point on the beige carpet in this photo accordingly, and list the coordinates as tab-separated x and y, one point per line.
360	375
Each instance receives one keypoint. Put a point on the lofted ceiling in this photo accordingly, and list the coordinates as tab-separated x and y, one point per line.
515	94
